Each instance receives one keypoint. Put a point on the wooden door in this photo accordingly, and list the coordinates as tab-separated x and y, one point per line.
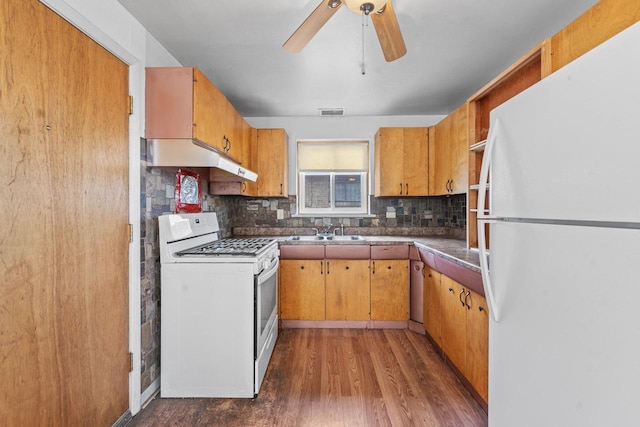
389	289
272	163
477	364
209	112
432	316
302	293
64	276
453	321
389	155
348	292
416	161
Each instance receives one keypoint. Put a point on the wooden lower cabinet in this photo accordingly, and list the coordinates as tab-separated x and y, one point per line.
348	293
457	319
477	360
389	290
454	322
302	290
432	313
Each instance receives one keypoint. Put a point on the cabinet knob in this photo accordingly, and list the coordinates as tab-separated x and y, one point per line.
302	267
481	308
388	267
347	267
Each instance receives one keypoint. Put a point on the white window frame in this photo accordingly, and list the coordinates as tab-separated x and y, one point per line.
333	210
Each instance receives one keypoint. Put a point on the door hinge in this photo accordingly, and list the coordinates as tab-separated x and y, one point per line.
130	362
130	105
130	233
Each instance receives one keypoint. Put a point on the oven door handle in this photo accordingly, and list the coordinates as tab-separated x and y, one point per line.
268	272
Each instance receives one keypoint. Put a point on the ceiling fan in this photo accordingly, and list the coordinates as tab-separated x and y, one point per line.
382	15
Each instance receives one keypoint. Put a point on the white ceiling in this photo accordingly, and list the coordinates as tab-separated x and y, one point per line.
454	48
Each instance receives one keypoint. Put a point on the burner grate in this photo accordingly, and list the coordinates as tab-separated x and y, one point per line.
250	246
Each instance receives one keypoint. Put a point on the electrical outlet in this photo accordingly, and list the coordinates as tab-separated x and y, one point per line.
391	214
280	213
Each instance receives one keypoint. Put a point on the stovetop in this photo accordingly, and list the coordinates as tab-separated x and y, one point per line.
251	246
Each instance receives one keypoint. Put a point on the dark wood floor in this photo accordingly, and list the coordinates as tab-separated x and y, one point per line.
337	377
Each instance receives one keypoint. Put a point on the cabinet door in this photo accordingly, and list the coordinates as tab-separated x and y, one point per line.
347	290
459	159
451	154
389	162
302	290
477	362
453	321
272	164
209	112
389	290
416	161
432	304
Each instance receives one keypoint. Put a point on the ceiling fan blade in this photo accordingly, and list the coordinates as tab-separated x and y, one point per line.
310	26
388	30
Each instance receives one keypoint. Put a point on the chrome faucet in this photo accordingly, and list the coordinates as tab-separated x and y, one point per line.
341	230
315	230
327	229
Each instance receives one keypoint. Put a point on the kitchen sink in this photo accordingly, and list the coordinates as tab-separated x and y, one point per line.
344	238
306	238
325	238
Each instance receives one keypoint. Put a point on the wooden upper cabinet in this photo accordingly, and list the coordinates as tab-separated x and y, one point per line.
272	163
401	162
209	112
450	156
182	103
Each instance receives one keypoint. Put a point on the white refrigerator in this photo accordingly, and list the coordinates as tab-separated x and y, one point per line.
562	172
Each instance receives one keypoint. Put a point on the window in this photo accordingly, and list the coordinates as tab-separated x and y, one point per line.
332	177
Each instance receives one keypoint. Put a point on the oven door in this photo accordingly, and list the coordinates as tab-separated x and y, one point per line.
266	316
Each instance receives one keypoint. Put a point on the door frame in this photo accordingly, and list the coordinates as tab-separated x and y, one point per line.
136	89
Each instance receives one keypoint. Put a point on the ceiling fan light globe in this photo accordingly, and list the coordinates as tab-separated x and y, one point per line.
355	5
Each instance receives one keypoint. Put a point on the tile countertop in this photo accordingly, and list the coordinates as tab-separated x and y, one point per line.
452	249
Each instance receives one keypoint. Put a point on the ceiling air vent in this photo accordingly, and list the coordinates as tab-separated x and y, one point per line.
331	112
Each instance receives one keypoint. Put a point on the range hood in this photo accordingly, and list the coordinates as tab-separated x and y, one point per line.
189	152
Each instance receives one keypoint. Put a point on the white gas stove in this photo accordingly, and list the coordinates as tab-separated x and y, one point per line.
218	308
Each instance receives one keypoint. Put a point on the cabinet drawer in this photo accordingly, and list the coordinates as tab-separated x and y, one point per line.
301	251
390	252
348	252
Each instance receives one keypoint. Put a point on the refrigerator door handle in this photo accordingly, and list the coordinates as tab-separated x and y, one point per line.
484	219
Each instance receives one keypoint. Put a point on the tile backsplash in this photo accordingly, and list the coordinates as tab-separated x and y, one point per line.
419	216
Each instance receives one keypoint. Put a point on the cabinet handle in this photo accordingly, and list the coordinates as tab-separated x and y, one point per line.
481	308
281	192
244	187
373	271
465	300
460	297
327	267
451	187
407	192
401	189
321	267
451	290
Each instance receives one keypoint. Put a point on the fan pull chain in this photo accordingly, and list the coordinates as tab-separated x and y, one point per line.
364	20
